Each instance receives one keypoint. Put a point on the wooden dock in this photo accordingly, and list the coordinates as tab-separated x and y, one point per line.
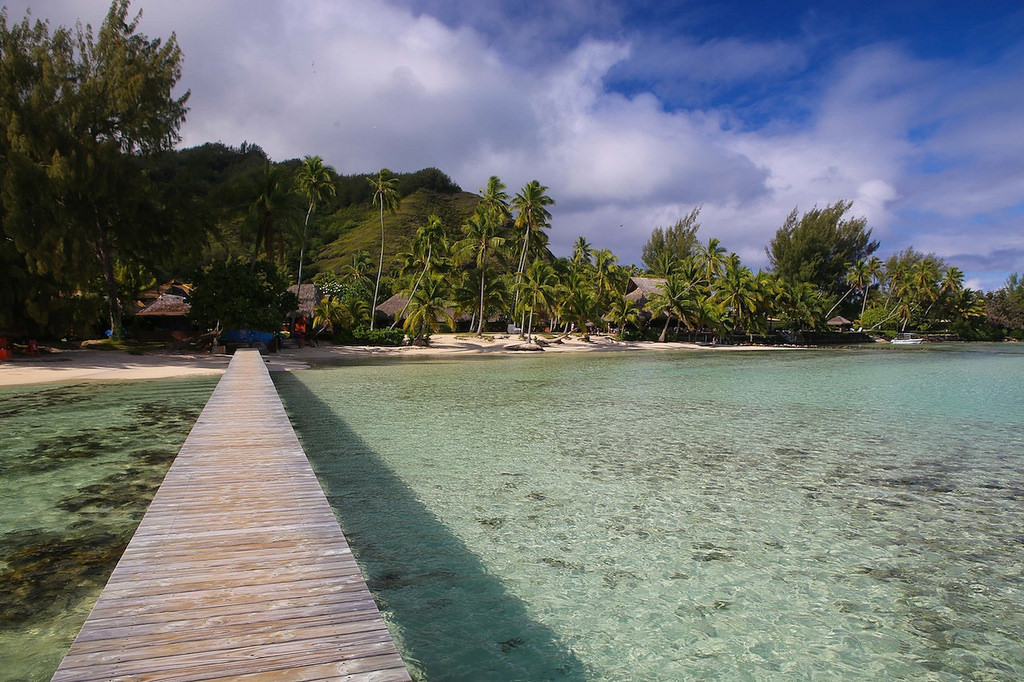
239	569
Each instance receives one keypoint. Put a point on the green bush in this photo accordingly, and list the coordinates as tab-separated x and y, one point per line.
378	337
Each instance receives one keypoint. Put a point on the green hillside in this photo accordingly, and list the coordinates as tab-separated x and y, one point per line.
357	227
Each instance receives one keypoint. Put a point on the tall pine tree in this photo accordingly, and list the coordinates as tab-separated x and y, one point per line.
80	116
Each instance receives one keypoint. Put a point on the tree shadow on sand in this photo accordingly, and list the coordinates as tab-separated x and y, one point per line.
451	619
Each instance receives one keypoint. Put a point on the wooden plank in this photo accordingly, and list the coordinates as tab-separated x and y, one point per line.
239	569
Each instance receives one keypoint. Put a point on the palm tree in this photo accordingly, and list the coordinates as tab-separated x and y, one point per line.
624	312
385	195
663	265
706	313
952	280
539	287
578	303
269	209
481	239
736	293
800	303
428	235
712	259
581	252
329	312
494	199
605	274
314	182
355	311
531	217
861	276
429	306
671	300
358	271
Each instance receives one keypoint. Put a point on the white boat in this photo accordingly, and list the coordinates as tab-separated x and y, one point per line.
907	339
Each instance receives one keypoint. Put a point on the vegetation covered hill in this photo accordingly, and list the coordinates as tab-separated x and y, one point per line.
356	227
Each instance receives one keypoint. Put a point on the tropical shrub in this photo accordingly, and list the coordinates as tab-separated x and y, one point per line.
378	337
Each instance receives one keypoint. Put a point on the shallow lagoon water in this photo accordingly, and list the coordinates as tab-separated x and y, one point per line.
754	515
79	465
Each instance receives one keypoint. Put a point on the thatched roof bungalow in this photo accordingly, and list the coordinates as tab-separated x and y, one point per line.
393	307
166	305
308	296
150	296
843	324
639	289
165	319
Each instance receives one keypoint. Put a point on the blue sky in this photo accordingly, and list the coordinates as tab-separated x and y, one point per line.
634	112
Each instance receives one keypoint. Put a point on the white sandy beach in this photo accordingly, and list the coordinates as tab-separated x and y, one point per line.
109	365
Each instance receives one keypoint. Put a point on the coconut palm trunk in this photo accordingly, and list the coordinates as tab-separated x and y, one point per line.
380	269
302	246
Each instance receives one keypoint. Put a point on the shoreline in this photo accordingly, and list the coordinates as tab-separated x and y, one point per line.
64	366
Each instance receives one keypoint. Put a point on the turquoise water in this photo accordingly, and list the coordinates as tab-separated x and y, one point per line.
697	515
79	464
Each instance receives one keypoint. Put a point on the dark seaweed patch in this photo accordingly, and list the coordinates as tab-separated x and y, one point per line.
560	563
42	571
510	644
43	400
708	551
612	579
917	484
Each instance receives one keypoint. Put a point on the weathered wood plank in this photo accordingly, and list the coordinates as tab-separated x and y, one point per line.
238	569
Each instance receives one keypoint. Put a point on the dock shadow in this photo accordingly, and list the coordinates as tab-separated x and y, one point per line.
451	618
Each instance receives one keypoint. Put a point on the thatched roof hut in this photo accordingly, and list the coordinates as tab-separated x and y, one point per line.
397	303
165	319
308	297
393	306
150	296
841	322
639	289
166	305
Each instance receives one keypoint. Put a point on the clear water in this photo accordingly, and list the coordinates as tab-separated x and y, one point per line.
757	515
79	464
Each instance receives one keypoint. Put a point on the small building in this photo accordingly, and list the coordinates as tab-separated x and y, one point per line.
309	296
395	306
840	323
165	319
639	289
392	308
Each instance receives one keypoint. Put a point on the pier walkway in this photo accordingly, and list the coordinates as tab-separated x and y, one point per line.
239	569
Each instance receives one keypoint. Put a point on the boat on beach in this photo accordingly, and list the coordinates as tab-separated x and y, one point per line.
907	339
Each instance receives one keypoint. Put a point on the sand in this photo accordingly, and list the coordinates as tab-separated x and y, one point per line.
95	365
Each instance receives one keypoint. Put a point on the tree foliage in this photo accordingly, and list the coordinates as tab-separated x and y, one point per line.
79	117
1005	306
672	244
818	246
235	294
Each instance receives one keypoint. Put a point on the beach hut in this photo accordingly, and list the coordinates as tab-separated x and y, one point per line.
393	307
165	319
639	289
309	295
841	323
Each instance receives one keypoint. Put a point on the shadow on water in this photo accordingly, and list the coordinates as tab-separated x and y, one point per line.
451	618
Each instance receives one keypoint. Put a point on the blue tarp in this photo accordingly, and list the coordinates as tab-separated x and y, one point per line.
246	336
